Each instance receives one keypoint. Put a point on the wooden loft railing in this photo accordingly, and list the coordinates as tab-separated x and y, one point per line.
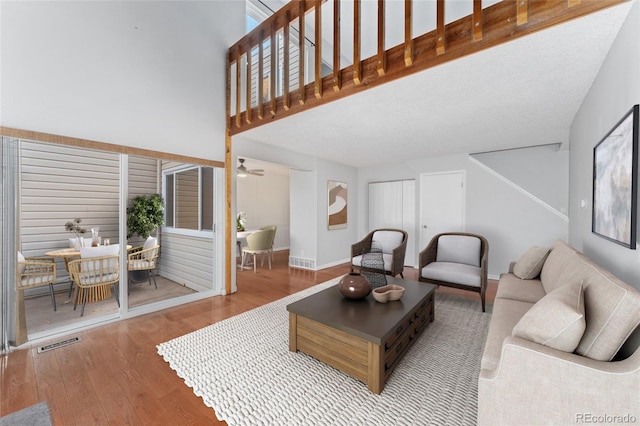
249	64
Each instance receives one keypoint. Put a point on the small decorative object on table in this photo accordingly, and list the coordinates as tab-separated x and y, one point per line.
388	293
74	226
354	286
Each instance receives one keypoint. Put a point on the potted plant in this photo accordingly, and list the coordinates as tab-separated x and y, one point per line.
145	215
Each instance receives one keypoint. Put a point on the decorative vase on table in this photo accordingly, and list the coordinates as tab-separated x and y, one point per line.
354	286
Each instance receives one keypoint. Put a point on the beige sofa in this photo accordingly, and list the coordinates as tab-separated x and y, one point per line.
530	372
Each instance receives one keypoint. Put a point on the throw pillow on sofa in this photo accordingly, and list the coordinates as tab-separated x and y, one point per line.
557	320
530	263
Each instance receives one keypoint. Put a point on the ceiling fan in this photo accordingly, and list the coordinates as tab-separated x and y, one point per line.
243	171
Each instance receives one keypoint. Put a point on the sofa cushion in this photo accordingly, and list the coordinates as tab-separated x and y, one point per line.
459	249
612	311
457	273
529	265
387	241
506	314
557	320
514	288
554	271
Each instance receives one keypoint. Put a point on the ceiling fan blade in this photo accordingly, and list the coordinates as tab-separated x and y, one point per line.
256	172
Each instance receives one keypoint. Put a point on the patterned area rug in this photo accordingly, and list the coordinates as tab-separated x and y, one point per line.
242	368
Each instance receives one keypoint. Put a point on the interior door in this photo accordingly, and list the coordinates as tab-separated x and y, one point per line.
441	204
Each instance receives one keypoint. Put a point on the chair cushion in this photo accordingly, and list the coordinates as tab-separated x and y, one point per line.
530	263
459	249
101	251
31	280
21	259
387	241
142	264
557	320
386	258
456	273
149	243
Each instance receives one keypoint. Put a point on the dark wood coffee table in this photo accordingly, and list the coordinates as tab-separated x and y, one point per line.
362	338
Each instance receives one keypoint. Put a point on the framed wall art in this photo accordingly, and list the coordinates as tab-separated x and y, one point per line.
337	202
615	182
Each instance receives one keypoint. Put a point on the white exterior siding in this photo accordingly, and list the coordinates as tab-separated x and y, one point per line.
187	260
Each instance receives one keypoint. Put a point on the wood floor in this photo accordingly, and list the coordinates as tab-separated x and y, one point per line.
114	375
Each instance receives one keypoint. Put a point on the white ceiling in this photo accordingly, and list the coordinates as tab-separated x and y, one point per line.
522	93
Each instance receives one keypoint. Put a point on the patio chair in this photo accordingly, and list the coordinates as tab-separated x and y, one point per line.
96	273
144	258
36	272
391	242
458	260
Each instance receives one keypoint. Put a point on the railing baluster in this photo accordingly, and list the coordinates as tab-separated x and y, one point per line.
440	35
337	76
301	24
477	20
286	102
260	94
382	57
272	73
238	90
357	66
249	88
408	39
522	12
317	89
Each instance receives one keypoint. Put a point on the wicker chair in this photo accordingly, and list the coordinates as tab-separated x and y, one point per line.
458	260
392	243
97	275
36	272
144	258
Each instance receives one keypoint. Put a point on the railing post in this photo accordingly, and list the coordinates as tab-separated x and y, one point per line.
317	88
382	57
301	24
337	76
476	21
286	102
440	29
408	39
357	66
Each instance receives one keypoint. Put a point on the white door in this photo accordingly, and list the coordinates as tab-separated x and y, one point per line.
441	204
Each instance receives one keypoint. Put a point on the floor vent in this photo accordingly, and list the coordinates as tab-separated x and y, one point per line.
301	262
57	345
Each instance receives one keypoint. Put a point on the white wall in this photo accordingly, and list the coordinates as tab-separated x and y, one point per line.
542	171
510	221
615	90
308	176
265	200
142	74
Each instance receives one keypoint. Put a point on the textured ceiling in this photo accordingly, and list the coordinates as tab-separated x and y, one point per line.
522	93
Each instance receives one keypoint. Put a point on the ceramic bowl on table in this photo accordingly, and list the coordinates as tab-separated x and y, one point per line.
388	293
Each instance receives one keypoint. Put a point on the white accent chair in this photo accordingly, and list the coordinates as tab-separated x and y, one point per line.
259	242
458	260
392	243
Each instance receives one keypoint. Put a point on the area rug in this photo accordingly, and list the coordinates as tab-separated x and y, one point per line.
242	368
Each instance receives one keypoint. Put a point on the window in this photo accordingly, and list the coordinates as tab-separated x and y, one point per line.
188	195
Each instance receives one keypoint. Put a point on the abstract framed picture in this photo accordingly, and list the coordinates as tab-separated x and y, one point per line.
337	202
615	182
